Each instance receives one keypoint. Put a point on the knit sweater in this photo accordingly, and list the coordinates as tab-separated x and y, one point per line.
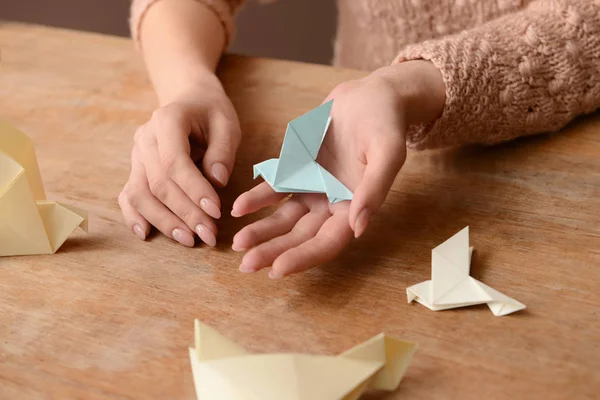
511	67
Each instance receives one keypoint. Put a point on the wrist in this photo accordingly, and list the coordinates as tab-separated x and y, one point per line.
420	89
198	82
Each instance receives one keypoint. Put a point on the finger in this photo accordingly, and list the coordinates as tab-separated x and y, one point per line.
134	219
171	195
223	138
139	198
332	238
179	204
173	146
383	163
256	198
263	255
136	222
280	223
164	220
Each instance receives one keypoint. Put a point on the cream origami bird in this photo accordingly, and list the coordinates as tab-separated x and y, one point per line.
452	287
223	370
29	224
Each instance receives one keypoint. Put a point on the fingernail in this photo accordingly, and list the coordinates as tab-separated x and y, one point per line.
206	235
183	237
235	213
244	268
210	207
137	229
361	223
220	173
275	274
236	247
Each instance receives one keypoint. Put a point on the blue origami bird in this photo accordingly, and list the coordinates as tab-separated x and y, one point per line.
296	170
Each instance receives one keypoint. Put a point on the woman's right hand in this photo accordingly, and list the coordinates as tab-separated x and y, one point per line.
165	188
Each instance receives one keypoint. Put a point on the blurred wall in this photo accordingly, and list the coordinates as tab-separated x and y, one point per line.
301	30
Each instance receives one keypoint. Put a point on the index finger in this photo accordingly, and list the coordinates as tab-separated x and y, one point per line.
256	198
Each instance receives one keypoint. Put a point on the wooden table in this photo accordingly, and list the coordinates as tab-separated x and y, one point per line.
111	317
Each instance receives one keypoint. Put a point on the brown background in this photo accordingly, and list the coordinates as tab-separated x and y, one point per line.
300	30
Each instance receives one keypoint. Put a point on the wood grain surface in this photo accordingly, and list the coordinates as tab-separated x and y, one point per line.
111	317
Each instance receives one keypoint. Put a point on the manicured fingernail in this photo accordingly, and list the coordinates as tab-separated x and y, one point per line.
183	237
236	247
244	268
220	173
235	213
275	274
137	229
361	223
206	235
210	207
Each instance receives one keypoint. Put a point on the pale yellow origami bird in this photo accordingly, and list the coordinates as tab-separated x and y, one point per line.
223	370
451	285
29	224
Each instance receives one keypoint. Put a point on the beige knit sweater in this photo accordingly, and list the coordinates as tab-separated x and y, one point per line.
511	67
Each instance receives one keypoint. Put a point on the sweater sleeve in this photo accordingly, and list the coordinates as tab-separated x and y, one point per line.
525	73
223	9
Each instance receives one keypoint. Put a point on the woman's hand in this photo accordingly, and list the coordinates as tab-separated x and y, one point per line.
165	188
364	148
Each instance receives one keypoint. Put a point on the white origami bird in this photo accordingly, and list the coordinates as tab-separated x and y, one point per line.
223	370
452	287
296	170
29	224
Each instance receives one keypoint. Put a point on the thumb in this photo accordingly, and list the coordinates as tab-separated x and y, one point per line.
222	139
383	163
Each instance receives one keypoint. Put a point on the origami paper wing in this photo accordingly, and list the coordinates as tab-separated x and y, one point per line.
29	224
452	287
225	371
296	170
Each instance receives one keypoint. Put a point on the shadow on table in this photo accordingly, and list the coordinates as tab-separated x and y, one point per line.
83	244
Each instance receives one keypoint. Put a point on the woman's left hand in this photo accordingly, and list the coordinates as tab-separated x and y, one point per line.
364	148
